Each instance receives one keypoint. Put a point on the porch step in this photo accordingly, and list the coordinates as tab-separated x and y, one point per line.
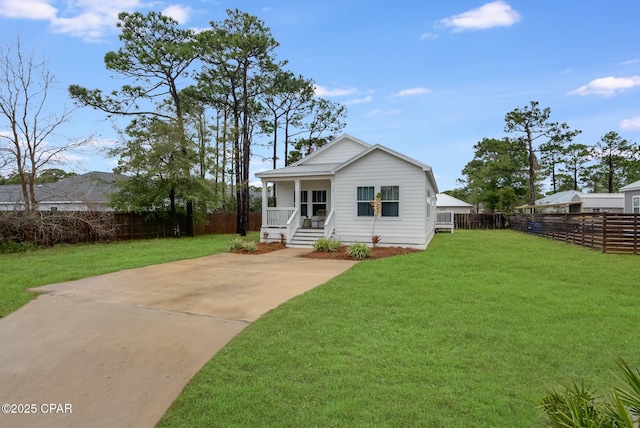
306	237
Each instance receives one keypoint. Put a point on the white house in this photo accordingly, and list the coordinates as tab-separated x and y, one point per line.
631	194
328	194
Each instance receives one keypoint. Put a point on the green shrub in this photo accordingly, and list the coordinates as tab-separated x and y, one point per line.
249	246
235	244
327	245
575	406
359	251
16	247
238	244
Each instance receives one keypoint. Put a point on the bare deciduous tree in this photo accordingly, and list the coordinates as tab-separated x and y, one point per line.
29	141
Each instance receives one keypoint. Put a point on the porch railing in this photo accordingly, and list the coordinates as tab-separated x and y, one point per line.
278	217
329	224
293	224
445	220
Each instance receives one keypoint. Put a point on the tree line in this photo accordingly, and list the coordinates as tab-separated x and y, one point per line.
197	105
537	153
199	102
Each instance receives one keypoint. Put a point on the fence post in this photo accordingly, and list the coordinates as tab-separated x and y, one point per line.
604	232
636	236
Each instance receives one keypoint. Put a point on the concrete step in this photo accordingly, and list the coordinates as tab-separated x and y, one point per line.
306	237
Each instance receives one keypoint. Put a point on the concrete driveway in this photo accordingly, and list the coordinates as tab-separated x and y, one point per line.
116	350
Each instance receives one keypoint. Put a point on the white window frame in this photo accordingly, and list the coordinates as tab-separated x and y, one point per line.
362	201
635	204
378	189
393	201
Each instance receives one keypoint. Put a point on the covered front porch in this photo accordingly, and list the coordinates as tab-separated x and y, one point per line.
297	211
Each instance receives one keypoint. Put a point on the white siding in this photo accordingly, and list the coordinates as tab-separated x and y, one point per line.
344	150
379	168
628	200
455	210
284	193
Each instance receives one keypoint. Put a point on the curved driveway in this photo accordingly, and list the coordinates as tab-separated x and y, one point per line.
115	350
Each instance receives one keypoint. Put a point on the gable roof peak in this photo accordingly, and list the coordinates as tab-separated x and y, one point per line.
330	144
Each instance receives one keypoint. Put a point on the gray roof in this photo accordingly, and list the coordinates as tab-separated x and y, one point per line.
93	187
629	187
444	200
602	200
296	170
301	168
566	197
588	200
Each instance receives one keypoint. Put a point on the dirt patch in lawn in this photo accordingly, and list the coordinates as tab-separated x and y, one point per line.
341	254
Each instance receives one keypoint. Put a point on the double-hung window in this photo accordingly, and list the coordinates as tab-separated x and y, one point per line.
390	196
635	205
364	198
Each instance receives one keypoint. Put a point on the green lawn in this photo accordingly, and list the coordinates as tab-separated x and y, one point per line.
467	334
21	271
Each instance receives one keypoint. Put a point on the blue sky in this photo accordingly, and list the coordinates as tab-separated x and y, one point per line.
426	78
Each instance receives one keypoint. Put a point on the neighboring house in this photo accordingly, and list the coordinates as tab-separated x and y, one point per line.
573	201
86	192
446	207
455	205
328	193
602	202
631	194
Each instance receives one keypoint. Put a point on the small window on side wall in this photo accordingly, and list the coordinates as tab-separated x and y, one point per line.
635	205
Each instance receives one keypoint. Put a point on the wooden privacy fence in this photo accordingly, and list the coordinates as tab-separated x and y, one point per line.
136	226
225	223
609	233
480	221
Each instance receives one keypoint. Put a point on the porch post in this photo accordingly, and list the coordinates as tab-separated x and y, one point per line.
265	201
297	192
333	188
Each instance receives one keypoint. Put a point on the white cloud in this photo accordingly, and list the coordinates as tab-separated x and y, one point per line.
27	9
323	91
178	12
363	100
631	61
383	112
607	86
428	36
494	14
88	25
89	19
410	92
632	124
